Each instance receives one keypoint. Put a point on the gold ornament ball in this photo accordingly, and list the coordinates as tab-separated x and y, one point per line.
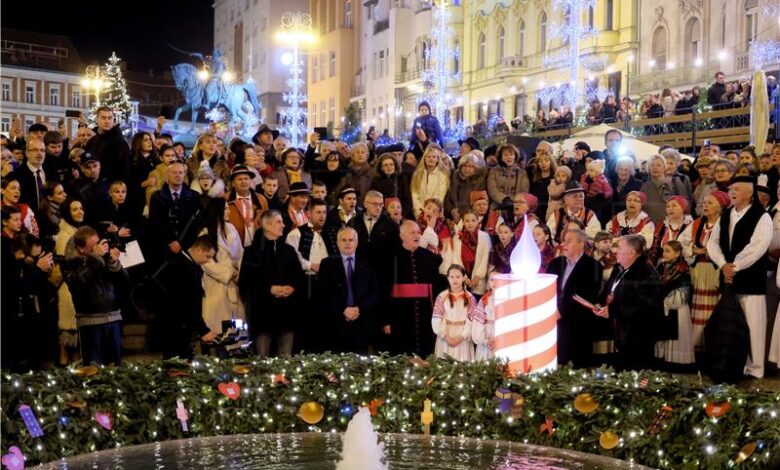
585	403
311	412
608	440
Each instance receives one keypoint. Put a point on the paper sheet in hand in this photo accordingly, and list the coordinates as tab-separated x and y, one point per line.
585	303
132	255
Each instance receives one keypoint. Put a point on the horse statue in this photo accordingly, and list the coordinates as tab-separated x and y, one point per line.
197	95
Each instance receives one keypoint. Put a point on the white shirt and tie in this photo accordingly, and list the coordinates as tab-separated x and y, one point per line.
369	222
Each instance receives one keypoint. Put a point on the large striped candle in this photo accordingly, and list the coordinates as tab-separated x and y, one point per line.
526	328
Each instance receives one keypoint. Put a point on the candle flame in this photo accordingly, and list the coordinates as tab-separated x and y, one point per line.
525	259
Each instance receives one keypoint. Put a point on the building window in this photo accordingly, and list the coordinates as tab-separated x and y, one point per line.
348	14
315	69
314	115
723	30
543	32
374	65
29	93
28	121
370	12
332	110
481	51
332	64
501	42
6	91
381	65
322	69
659	48
520	104
54	96
5	124
590	17
75	98
751	21
456	59
322	112
693	41
608	26
521	39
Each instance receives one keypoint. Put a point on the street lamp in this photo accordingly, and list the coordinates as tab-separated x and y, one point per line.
93	81
296	31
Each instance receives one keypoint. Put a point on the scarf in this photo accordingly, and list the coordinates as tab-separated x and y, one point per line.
468	249
672	274
293	175
501	255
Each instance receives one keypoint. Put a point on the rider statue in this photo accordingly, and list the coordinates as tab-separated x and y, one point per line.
216	65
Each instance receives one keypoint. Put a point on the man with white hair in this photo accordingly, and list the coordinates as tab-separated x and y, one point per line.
738	246
680	182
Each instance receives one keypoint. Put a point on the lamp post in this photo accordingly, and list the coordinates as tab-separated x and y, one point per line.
296	30
93	81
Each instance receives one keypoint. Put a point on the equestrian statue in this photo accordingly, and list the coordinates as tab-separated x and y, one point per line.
213	91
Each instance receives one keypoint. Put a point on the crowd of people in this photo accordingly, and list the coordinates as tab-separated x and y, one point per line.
366	248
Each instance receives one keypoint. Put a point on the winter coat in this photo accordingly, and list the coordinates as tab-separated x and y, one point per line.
395	185
728	340
358	178
113	152
67	312
430	125
428	184
222	301
284	181
504	182
95	283
461	187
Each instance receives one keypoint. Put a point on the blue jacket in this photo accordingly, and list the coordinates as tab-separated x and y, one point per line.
430	125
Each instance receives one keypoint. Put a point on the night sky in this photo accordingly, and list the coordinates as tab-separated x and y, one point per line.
139	34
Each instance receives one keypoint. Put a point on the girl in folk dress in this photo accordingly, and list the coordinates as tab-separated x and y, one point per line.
704	273
672	227
502	251
676	280
543	239
452	315
470	248
435	231
483	325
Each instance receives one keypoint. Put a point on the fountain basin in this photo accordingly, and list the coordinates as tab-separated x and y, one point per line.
321	451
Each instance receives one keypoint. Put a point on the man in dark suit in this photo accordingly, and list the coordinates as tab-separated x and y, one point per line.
578	274
173	214
181	316
635	304
31	174
377	234
349	296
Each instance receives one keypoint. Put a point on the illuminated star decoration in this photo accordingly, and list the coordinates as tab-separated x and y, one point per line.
296	29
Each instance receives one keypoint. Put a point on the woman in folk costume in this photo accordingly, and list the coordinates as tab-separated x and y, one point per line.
705	275
672	227
524	204
483	325
676	289
633	220
435	231
470	248
431	179
501	252
220	275
453	312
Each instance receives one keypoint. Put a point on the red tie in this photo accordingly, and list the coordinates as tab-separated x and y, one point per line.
247	209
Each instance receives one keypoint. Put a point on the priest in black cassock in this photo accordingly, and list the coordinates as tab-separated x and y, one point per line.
410	282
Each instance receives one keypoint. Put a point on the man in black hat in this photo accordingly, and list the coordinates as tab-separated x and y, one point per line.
467	145
264	137
341	215
738	246
294	213
243	204
573	208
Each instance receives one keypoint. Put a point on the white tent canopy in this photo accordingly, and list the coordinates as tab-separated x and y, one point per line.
594	137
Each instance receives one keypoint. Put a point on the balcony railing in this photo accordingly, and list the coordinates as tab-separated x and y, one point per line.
408	76
358	90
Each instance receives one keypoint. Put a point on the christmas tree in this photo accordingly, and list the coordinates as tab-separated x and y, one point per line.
350	128
112	92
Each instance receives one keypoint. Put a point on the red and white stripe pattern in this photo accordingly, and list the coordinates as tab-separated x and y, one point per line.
526	328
